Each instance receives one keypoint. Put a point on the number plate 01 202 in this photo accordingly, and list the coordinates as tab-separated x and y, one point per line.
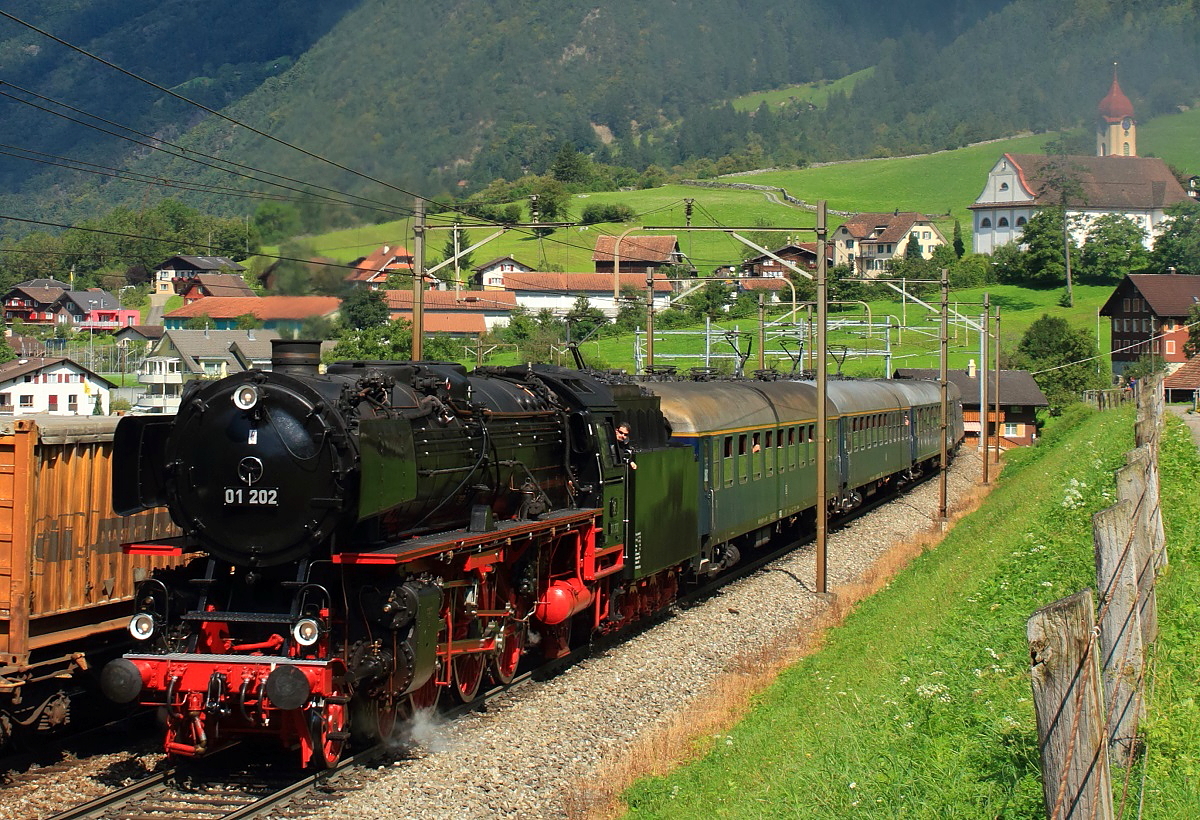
251	497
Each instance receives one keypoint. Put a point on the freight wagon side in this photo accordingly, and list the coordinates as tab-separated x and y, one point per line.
66	588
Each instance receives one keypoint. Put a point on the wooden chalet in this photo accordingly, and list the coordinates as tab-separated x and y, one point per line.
637	254
1149	313
1020	399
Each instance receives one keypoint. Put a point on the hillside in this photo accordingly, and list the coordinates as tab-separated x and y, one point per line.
443	100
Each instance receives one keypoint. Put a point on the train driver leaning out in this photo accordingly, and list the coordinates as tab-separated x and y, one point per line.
625	445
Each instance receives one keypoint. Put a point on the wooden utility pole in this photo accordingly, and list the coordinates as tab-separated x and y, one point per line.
418	320
945	377
996	384
649	319
984	435
762	333
822	413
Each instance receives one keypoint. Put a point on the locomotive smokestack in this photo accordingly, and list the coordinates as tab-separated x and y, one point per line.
296	357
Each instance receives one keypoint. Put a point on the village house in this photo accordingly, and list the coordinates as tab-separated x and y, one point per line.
1020	399
373	270
558	292
215	284
174	274
1115	181
801	254
1149	312
33	302
181	356
490	275
58	386
637	254
287	314
93	309
456	312
868	242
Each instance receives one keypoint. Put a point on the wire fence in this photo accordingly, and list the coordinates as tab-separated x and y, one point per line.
1090	654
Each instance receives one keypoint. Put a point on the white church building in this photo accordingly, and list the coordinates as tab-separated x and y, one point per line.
1114	181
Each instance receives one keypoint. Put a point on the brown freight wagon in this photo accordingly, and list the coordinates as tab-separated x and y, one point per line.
66	588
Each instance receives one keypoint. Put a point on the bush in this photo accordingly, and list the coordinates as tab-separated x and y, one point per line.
598	212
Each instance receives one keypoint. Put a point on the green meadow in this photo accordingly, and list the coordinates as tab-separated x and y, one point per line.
815	93
919	705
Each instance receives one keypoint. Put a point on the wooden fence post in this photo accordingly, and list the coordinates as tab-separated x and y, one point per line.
1132	486
1070	715
1122	653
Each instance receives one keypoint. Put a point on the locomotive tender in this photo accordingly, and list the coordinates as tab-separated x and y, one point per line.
374	535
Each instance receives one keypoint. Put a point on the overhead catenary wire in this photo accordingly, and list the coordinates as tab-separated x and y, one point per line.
190	155
233	121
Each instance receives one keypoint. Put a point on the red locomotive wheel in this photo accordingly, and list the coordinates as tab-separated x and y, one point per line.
426	697
468	675
329	732
508	655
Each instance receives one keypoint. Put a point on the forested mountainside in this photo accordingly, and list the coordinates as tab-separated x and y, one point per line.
443	98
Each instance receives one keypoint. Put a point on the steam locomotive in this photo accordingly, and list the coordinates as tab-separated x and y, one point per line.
370	537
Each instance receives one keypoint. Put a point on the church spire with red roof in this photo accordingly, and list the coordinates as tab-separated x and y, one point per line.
1115	125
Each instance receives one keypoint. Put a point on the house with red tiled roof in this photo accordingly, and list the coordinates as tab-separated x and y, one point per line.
283	313
1115	181
458	312
558	292
637	254
1184	383
373	270
1149	313
868	242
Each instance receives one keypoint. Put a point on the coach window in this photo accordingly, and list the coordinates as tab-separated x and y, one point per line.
757	455
743	459
727	467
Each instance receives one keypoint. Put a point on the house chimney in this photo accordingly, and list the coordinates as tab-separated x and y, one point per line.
971	368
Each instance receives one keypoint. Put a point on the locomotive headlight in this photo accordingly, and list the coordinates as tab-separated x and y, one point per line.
246	397
306	631
142	626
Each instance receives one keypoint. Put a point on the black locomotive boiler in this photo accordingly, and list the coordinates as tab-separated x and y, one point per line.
370	536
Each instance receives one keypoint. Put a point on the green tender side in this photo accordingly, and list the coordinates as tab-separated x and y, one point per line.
664	499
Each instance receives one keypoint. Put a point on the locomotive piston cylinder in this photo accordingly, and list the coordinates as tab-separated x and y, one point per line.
561	600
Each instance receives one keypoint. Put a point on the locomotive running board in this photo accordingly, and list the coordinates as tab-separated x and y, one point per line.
552	523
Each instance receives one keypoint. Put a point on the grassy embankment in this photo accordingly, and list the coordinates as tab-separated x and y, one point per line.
919	705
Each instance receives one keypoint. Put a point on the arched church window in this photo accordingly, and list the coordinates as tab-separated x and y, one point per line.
1126	149
1003	223
1003	186
1020	221
985	223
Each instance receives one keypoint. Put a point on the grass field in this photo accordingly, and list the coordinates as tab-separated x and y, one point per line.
919	705
815	93
944	184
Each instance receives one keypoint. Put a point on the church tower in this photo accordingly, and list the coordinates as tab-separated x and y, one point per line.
1116	130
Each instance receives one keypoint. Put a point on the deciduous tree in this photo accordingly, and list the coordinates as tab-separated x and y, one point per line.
1178	246
1113	248
1061	358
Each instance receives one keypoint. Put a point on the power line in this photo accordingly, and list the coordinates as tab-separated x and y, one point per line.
156	143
